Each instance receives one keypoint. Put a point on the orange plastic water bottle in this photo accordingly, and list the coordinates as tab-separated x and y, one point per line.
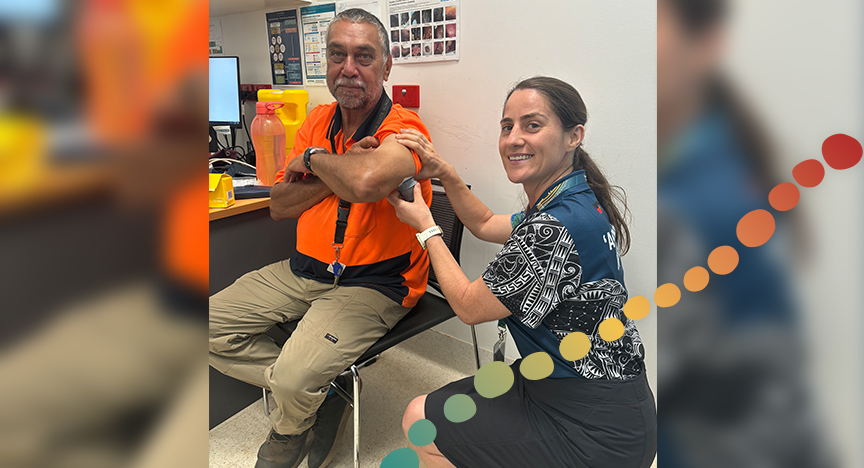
268	139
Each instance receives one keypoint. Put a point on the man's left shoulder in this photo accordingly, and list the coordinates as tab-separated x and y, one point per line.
400	117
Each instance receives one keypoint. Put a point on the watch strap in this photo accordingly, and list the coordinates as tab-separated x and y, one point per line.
307	161
422	237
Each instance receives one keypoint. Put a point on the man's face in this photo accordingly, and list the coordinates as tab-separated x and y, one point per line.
356	67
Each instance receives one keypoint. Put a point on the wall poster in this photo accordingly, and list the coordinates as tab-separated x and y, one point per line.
215	36
284	41
315	20
423	30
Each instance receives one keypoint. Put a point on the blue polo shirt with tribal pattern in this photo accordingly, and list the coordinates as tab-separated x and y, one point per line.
558	273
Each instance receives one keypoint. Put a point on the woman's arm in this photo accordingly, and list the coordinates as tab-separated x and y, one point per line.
473	302
476	216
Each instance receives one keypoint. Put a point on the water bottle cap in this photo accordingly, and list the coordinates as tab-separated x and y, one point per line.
268	107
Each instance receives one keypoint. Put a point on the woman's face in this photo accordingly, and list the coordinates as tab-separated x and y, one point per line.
535	149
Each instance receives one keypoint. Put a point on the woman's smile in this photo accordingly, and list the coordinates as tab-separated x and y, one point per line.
518	157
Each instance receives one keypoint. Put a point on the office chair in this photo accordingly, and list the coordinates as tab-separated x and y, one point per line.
430	311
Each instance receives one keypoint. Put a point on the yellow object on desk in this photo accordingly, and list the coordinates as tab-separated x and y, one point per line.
292	114
221	191
23	143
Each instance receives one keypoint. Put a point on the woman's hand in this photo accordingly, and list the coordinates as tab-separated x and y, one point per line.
433	164
416	214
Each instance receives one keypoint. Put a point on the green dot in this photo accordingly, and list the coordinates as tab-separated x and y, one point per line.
401	458
493	379
459	408
422	433
537	366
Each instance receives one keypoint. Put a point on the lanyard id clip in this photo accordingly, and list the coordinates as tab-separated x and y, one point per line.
337	268
499	348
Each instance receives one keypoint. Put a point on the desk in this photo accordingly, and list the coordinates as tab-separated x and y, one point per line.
239	207
58	186
63	241
243	238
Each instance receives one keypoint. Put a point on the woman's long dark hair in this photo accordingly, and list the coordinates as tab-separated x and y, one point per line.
567	104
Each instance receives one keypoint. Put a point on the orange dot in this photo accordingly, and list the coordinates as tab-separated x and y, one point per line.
723	260
755	228
808	173
611	329
637	308
667	295
696	279
784	197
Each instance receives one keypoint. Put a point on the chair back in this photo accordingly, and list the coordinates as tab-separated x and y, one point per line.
442	212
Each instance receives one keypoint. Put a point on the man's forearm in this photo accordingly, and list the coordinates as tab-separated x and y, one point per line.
355	178
290	200
344	174
368	172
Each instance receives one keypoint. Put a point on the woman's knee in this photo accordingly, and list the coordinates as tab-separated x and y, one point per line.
415	411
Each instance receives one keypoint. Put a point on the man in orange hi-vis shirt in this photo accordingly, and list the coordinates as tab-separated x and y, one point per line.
357	269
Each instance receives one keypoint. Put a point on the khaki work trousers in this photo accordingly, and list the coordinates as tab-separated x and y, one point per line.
337	325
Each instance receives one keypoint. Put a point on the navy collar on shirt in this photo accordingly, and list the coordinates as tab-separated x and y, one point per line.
369	126
575	179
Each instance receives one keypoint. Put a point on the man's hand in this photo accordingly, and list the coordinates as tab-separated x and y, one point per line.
291	176
295	166
364	146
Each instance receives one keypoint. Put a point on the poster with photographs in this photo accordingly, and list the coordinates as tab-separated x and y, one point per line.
423	30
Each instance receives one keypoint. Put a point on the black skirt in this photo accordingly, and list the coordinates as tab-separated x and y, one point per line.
566	423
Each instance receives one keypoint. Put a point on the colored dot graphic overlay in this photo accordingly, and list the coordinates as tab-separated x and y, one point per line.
754	229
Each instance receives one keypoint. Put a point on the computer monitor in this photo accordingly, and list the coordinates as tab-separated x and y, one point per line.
225	91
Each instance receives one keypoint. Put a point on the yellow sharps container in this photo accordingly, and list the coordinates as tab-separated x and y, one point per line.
292	114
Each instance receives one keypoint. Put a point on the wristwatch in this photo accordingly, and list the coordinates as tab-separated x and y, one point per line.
422	237
309	152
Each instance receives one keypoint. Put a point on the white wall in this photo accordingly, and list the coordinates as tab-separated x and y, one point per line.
607	50
803	76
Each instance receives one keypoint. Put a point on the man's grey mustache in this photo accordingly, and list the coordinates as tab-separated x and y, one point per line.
350	83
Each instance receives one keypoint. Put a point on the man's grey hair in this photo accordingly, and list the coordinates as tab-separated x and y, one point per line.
359	15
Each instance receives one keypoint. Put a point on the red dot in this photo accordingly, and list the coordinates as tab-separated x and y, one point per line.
808	173
784	197
841	151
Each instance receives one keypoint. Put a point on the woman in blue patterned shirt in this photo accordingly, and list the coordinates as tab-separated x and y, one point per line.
558	273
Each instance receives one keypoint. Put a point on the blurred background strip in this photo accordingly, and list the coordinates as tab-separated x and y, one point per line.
763	367
103	241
